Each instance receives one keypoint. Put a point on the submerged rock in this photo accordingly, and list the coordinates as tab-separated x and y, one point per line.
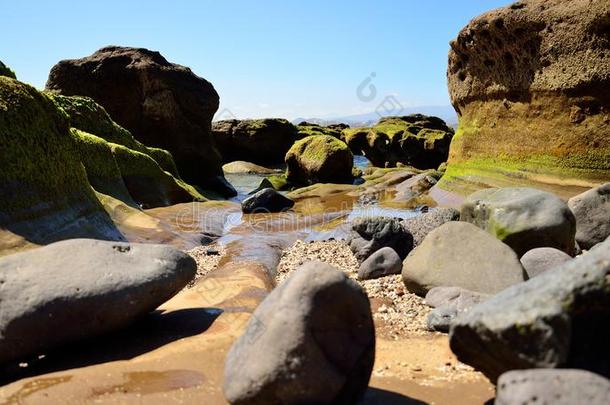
548	386
162	104
537	261
556	320
80	288
458	254
529	82
592	212
312	340
319	159
265	201
263	141
369	234
523	218
383	262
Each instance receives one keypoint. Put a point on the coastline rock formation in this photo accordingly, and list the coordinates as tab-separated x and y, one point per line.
319	159
162	104
530	84
415	140
263	141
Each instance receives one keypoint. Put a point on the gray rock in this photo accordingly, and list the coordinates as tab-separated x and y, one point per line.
458	254
549	386
523	218
383	262
80	288
370	234
558	319
422	225
265	201
537	261
312	340
592	212
448	303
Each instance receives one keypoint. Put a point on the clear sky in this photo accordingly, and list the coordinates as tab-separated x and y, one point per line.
266	58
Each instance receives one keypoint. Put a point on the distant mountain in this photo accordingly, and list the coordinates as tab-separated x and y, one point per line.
447	113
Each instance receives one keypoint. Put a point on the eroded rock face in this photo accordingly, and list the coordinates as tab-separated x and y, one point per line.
530	84
264	141
162	104
80	288
312	340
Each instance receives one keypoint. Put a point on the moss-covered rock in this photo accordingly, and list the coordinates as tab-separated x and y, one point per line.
319	159
6	71
416	140
306	129
44	192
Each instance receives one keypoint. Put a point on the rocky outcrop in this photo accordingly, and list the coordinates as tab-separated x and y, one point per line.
80	288
6	71
44	192
415	140
319	159
529	82
458	254
162	104
264	141
312	340
592	212
523	218
306	129
558	319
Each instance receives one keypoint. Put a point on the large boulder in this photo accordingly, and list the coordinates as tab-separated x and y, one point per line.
312	340
80	288
369	234
523	218
458	254
558	319
162	104
592	212
549	386
529	82
416	140
319	159
263	141
539	260
44	192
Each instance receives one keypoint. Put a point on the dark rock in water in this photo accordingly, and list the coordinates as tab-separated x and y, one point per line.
592	212
266	200
383	262
558	319
80	288
458	254
162	104
265	183
549	386
264	141
422	225
319	159
448	303
312	340
537	261
523	218
370	234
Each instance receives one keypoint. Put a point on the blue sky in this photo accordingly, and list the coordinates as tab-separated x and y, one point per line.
265	58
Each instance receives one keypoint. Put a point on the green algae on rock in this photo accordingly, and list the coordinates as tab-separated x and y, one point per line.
541	115
319	159
44	192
